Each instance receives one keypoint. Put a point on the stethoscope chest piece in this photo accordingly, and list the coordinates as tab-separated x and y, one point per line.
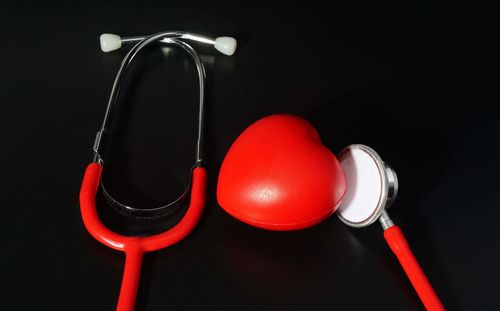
371	186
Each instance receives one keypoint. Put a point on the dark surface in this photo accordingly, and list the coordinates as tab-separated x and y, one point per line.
418	83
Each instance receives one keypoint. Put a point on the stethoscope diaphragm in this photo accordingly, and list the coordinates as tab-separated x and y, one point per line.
371	186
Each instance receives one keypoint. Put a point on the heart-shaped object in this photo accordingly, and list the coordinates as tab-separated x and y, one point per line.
277	175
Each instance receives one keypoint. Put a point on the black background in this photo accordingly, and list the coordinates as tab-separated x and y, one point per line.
418	82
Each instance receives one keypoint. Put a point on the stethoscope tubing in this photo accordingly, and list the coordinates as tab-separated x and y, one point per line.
400	247
135	247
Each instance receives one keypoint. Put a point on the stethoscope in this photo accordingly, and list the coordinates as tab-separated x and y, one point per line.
371	184
135	246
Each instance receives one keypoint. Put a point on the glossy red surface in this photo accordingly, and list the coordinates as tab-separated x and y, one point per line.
278	175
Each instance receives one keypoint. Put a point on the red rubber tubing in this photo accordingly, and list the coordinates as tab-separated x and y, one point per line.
399	246
134	247
130	281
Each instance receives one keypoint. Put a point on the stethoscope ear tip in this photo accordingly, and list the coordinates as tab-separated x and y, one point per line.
225	45
110	42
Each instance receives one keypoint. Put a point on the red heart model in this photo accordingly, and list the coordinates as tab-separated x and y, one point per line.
277	175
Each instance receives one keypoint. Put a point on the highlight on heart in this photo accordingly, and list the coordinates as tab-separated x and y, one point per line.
278	175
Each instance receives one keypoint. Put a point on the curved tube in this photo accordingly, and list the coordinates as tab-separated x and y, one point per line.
172	38
134	247
165	37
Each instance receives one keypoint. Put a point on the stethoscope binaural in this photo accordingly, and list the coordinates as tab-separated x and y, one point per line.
135	246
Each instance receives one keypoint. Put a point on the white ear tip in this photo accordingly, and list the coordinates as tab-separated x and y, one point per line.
225	45
110	42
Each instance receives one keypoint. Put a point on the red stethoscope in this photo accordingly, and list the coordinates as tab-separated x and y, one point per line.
135	246
359	186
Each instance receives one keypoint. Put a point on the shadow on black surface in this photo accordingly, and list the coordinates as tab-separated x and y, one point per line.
280	264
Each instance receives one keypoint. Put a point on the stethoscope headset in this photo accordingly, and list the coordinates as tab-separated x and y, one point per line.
135	246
